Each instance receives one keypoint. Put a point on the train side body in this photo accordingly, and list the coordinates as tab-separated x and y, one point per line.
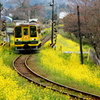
27	37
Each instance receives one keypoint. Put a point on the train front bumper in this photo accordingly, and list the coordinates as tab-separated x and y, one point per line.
26	42
26	45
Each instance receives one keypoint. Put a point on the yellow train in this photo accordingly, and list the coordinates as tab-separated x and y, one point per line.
27	36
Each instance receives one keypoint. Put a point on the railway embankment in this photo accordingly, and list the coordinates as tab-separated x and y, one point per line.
56	66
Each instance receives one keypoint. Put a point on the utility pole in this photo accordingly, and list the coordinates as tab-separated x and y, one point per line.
52	21
80	34
29	14
0	12
1	8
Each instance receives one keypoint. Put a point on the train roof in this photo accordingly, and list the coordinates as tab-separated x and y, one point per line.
28	24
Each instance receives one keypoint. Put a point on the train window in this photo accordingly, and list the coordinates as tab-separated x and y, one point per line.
33	31
18	32
25	31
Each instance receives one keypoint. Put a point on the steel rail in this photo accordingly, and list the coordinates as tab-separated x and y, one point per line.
45	86
70	88
29	72
95	97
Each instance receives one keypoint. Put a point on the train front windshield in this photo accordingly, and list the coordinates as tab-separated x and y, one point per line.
18	32
33	31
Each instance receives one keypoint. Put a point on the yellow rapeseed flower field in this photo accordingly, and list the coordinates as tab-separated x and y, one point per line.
67	44
14	87
54	63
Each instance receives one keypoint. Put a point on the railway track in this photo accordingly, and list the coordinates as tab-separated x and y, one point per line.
21	66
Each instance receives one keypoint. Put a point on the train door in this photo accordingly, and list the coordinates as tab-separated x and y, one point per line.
18	32
33	32
25	31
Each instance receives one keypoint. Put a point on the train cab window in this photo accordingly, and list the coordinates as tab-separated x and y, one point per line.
25	31
33	31
18	32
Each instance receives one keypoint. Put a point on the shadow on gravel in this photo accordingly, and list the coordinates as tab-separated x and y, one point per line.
27	52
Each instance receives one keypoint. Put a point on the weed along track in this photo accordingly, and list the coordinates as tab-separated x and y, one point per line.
21	66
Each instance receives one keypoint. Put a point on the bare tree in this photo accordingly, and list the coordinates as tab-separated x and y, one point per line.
90	21
24	10
21	8
21	3
1	8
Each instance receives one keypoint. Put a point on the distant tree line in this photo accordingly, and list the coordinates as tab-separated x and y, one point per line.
23	9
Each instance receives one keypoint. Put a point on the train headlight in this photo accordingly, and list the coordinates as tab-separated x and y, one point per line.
18	40
33	39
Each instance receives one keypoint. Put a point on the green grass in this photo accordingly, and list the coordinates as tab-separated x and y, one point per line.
47	32
73	38
10	24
